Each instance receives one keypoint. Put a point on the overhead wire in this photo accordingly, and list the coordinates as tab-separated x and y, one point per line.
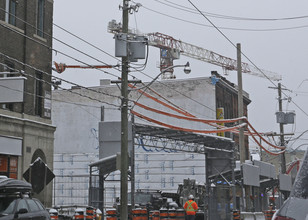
137	70
218	29
187	9
49	83
92	90
225	28
57	51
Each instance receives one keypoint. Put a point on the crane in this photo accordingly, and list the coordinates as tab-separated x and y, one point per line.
170	49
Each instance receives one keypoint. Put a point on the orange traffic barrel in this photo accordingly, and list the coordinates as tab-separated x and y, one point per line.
90	213
79	214
111	214
139	214
268	214
154	215
236	214
180	214
172	214
163	214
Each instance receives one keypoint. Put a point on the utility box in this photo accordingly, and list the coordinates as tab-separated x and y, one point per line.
137	47
120	45
110	138
130	45
290	117
285	117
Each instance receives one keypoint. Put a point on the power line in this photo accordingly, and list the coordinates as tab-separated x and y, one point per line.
187	9
225	28
63	29
45	33
15	60
44	81
91	56
137	70
217	28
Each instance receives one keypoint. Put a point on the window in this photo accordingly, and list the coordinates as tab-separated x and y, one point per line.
10	12
39	94
40	17
9	166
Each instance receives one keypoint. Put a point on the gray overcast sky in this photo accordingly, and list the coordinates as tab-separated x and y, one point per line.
273	35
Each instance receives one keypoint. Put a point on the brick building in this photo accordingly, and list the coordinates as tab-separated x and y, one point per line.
26	132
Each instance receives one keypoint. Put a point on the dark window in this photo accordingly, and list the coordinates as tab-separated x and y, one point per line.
8	166
39	94
40	17
10	9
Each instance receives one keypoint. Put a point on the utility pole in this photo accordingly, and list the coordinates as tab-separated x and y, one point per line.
240	104
243	151
124	120
283	157
281	123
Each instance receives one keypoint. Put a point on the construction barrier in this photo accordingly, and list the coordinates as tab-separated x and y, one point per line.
140	214
268	214
236	214
90	213
79	214
163	214
172	213
180	214
154	215
111	214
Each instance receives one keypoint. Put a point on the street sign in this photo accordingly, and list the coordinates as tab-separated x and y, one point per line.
39	175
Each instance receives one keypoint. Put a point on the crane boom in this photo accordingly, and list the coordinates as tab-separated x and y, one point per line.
166	42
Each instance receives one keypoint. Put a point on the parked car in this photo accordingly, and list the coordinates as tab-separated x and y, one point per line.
296	206
16	201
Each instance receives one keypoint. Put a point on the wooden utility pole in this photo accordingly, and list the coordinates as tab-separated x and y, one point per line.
283	157
124	120
243	151
242	147
282	142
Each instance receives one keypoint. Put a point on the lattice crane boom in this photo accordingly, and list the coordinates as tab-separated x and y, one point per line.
166	42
